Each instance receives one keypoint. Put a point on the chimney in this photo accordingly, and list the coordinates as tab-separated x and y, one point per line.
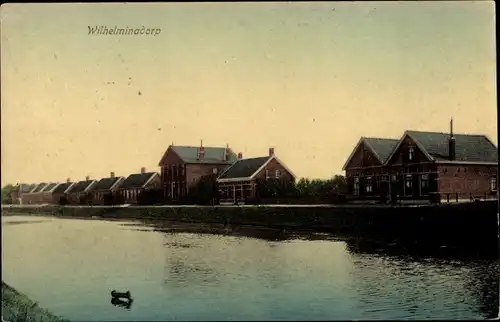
451	143
68	180
226	152
143	170
112	174
240	156
201	152
271	152
87	178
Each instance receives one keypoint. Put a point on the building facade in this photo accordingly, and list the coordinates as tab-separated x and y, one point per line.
80	192
422	165
134	185
105	189
239	182
183	166
60	193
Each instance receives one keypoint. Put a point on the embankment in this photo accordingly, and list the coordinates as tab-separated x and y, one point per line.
468	224
18	307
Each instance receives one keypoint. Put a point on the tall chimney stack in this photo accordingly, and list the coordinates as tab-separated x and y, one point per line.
68	180
112	174
226	152
87	178
451	143
143	170
271	152
201	152
240	156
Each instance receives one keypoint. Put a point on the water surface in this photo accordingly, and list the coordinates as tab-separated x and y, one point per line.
176	272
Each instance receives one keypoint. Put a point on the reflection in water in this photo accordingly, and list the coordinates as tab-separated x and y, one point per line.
211	272
476	279
125	303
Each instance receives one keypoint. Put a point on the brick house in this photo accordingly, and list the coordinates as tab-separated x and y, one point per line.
104	190
457	166
239	181
80	192
183	166
365	167
35	195
135	184
20	190
62	191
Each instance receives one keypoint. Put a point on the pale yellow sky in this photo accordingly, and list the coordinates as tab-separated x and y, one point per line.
306	78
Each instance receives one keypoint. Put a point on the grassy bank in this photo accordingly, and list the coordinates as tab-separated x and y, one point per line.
17	307
466	224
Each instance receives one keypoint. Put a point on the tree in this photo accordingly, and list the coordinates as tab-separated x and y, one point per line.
275	188
321	188
7	192
205	191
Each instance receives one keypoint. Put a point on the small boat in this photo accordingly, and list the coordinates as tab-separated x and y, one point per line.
116	294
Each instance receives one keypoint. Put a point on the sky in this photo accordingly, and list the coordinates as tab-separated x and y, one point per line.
308	79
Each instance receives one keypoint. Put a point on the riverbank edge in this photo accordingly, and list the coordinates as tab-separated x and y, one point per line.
18	307
445	222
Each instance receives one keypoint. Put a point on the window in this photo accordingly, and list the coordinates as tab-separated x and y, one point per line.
408	185
277	174
384	178
369	185
493	184
267	174
356	186
411	151
424	184
394	178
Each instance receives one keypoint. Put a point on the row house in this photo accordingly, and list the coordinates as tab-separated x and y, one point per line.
80	191
424	163
104	190
183	166
35	196
131	188
239	181
20	190
60	193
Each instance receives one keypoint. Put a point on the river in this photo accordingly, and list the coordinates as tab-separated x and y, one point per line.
186	272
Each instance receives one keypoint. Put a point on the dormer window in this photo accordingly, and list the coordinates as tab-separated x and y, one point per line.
411	152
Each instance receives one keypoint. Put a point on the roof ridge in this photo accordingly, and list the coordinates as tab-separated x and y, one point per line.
379	138
446	133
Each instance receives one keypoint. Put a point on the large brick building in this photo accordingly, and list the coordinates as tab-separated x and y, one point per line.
421	164
183	166
240	181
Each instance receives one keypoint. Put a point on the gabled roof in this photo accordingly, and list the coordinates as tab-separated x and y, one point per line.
80	186
247	169
62	187
39	187
49	187
381	147
244	168
213	155
106	183
26	188
137	180
468	147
